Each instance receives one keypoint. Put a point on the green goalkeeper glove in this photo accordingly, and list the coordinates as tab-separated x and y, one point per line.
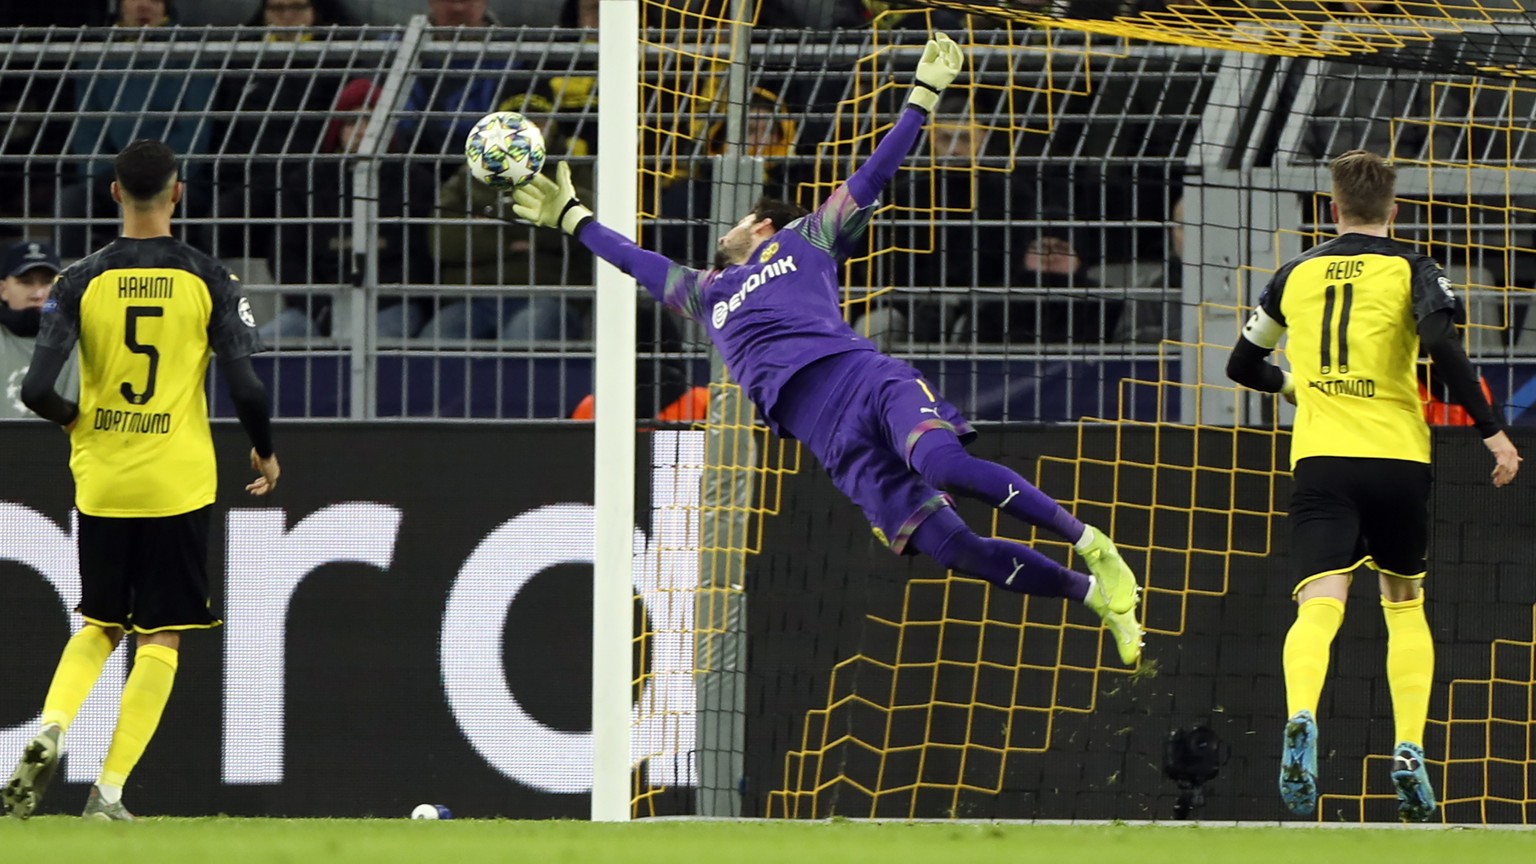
551	203
940	64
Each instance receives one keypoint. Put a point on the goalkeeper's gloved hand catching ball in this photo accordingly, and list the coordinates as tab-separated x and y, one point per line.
551	203
940	64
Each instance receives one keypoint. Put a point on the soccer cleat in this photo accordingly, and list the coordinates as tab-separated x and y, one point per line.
1298	764
1127	633
98	810
25	789
1114	585
1415	794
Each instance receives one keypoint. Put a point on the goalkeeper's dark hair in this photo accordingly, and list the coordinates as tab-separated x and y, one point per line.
144	169
777	211
1364	187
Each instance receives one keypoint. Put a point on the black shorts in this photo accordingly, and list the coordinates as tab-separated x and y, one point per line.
146	574
1348	511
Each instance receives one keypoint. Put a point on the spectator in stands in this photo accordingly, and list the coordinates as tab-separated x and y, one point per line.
314	239
1065	313
27	270
296	14
466	87
580	13
575	95
1147	319
138	90
276	115
480	247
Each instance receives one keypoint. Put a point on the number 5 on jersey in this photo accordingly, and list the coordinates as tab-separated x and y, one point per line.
131	339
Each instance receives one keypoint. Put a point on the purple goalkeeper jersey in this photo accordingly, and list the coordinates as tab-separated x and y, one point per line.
780	311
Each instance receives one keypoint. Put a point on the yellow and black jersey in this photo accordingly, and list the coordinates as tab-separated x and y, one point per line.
145	313
1351	309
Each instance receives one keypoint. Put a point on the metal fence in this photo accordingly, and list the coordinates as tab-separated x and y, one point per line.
1030	259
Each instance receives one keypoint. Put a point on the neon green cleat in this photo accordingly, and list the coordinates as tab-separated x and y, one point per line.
1128	635
24	791
1114	585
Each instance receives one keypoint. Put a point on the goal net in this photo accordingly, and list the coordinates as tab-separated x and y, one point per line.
1074	243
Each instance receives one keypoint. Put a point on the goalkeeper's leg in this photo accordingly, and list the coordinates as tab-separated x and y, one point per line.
944	537
944	463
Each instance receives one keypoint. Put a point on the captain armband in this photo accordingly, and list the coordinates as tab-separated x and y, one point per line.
1263	330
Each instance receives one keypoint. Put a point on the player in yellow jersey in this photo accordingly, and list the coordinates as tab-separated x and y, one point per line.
145	311
1359	309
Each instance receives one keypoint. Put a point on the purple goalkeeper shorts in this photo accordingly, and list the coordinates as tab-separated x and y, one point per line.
861	413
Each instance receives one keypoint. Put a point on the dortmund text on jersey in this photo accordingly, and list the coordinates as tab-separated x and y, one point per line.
146	315
1351	309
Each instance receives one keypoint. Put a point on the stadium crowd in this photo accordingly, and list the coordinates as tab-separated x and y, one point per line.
1050	242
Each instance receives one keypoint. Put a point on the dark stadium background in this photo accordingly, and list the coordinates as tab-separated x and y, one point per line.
368	731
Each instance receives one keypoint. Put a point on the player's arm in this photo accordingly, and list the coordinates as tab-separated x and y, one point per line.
232	336
56	338
843	216
1435	306
1439	338
553	204
37	391
1248	364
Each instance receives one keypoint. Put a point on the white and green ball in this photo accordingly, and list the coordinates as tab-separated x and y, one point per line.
505	150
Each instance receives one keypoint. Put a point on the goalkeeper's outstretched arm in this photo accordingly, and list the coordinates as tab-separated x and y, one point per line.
553	204
843	216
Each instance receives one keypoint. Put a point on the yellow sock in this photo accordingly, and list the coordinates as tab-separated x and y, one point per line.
144	698
79	667
1306	652
1410	665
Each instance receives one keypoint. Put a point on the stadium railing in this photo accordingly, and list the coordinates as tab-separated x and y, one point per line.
1025	260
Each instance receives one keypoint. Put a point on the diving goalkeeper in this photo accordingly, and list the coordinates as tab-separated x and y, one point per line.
770	305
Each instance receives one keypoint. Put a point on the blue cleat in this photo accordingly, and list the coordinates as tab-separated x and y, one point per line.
1415	794
1298	765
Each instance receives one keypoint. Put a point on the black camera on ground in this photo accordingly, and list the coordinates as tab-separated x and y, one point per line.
1192	758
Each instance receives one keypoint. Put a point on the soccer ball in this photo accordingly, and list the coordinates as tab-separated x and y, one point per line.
505	150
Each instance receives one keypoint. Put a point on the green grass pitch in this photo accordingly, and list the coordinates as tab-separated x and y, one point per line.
380	841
